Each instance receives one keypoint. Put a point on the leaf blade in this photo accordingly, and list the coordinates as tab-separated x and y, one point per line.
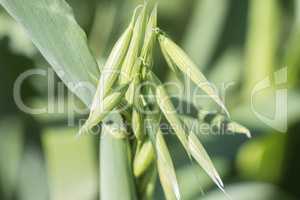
53	29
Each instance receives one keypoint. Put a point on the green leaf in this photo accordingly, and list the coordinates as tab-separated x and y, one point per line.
53	29
254	159
63	166
291	55
116	182
12	144
32	176
249	191
262	42
210	28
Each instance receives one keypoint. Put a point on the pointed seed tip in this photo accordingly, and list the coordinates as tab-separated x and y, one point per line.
136	11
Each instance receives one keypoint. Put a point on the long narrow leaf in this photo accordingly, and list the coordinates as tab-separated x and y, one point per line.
53	29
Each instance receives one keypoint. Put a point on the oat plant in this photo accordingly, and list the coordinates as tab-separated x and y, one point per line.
127	99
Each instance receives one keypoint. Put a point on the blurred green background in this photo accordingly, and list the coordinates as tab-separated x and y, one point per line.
231	40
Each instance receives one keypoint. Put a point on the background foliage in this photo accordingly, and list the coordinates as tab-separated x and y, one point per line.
232	40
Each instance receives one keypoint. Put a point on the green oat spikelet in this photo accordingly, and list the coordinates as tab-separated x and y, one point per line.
150	37
222	123
113	64
166	169
134	48
145	60
143	158
172	65
235	127
170	114
200	155
137	124
184	63
104	108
